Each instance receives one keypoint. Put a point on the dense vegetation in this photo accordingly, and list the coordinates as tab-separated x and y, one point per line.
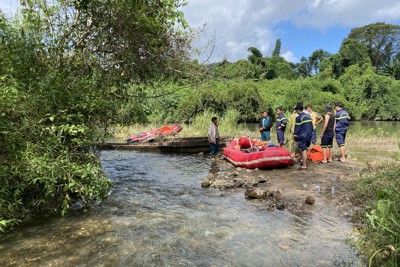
71	69
379	192
66	74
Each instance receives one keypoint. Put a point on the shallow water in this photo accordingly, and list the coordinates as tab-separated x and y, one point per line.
158	215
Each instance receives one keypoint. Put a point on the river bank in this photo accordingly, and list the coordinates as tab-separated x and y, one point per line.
324	191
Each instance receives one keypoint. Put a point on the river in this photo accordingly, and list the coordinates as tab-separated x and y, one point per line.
157	214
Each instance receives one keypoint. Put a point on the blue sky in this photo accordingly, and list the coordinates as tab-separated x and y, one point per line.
232	26
303	26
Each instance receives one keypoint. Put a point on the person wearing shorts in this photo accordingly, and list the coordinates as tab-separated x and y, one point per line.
327	134
342	123
303	133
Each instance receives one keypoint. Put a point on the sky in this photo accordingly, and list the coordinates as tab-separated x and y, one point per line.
303	26
230	27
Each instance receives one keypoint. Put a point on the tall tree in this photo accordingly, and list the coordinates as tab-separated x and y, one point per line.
256	56
353	52
316	58
277	49
382	41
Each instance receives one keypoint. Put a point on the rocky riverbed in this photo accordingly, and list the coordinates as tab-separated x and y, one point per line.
321	187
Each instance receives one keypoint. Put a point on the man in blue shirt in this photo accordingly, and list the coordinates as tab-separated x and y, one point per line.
342	123
265	126
281	123
303	130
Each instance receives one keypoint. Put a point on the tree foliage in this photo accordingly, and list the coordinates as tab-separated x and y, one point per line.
66	71
381	40
277	50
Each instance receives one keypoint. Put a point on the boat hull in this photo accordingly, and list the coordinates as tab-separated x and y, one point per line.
269	158
176	145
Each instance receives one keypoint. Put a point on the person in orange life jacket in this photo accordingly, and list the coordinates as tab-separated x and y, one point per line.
213	137
316	119
342	123
303	133
281	123
328	133
265	126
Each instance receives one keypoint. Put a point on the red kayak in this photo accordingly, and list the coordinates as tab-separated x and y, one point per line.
151	134
257	156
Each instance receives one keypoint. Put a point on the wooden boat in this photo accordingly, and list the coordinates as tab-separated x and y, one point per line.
251	158
175	145
172	129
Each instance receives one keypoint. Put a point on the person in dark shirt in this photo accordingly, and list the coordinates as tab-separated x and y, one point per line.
328	133
281	123
265	126
342	123
303	133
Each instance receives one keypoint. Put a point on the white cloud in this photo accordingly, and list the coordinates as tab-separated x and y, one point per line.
324	14
240	24
289	56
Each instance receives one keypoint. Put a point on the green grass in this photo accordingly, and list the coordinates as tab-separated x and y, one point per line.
378	191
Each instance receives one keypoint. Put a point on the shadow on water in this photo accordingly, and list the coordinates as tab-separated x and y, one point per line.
158	215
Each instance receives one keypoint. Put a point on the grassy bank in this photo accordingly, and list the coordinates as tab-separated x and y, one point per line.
378	193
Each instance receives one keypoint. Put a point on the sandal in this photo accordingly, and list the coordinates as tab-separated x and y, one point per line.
302	168
323	162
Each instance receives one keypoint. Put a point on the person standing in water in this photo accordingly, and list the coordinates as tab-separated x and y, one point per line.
213	137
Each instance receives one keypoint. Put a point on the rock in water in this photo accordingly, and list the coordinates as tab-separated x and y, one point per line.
205	183
280	206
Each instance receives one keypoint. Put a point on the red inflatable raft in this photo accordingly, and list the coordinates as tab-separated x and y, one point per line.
151	134
267	157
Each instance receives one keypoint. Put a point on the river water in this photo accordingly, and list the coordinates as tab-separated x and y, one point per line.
157	214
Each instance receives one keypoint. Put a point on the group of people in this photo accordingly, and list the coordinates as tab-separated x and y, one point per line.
303	125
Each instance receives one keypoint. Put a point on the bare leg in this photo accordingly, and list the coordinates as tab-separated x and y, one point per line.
330	155
304	156
342	153
324	153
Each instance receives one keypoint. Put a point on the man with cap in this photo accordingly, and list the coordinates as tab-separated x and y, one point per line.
303	133
328	133
265	126
342	123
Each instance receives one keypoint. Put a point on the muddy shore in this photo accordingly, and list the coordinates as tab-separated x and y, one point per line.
319	187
